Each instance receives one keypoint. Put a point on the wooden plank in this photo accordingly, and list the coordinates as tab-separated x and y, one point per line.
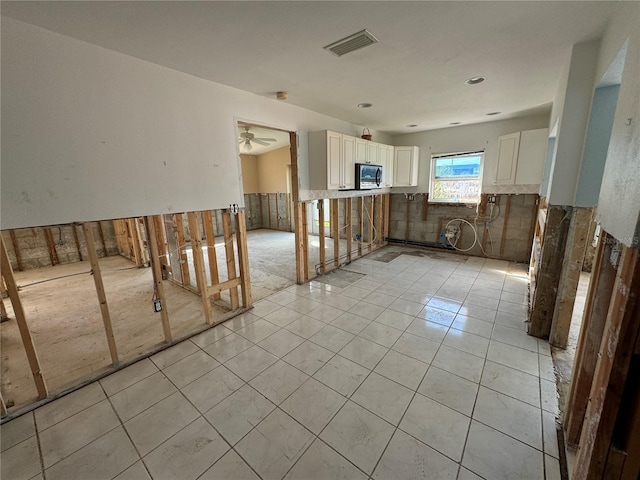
615	463
182	252
482	217
335	230
221	287
102	297
156	270
372	215
379	216
243	258
305	241
269	209
408	220
102	242
198	263
4	315
299	241
231	260
349	226
142	243
3	407
134	245
505	223
387	216
16	250
321	254
207	222
21	320
161	243
360	224
548	275
77	241
277	212
621	331
631	437
577	239
51	245
534	215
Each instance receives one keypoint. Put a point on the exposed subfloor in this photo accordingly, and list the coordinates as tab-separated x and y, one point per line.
419	368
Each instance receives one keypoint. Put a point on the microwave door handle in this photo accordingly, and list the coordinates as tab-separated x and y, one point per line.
378	176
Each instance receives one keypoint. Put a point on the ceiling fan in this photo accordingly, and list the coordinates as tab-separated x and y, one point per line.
247	137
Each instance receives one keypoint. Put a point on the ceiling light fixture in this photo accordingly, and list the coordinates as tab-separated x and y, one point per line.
365	105
454	123
474	80
247	147
494	113
412	125
282	95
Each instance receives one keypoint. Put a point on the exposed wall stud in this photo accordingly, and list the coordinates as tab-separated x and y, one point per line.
198	263
207	222
156	270
231	261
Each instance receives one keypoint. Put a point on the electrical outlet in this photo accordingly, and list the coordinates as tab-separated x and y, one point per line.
157	306
491	199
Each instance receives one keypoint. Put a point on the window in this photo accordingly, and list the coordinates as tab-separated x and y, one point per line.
456	177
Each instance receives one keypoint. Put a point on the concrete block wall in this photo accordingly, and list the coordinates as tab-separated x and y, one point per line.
34	251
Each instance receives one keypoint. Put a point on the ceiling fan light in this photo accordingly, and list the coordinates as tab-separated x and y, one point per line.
247	146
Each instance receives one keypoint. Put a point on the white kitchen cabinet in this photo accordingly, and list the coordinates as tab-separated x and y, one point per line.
348	162
405	166
372	153
521	157
361	150
331	161
508	148
385	158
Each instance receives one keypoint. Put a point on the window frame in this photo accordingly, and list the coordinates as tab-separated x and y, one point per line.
433	179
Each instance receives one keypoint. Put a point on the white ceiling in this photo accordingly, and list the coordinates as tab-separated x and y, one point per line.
415	75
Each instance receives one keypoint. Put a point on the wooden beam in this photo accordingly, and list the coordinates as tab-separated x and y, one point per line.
305	241
534	216
102	242
221	287
577	239
321	253
407	219
21	320
349	226
207	222
243	258
102	297
387	216
379	216
16	250
51	245
505	223
299	237
618	341
198	263
360	224
161	243
231	260
335	230
77	240
156	270
182	253
549	267
482	216
372	216
4	315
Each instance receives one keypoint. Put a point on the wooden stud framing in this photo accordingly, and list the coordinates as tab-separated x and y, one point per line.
77	240
277	212
349	226
182	245
321	255
269	209
618	342
156	270
23	327
305	240
4	315
504	225
379	216
221	287
161	242
3	407
231	260
577	240
243	258
207	222
16	250
51	245
407	220
102	242
102	297
372	216
198	263
387	216
360	224
335	230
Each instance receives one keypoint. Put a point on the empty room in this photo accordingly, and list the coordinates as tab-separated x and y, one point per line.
320	240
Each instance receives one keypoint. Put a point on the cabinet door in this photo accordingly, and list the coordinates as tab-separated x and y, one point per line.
389	167
348	162
531	156
405	167
372	153
384	159
508	146
361	150
334	160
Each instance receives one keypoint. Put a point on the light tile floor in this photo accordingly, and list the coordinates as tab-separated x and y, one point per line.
420	369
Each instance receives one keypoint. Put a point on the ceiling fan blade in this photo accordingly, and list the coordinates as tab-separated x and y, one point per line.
260	142
266	139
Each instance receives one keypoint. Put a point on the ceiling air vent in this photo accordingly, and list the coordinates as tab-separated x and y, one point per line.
351	43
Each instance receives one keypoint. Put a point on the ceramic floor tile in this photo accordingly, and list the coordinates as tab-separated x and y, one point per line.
332	338
438	426
17	430
383	397
406	457
236	415
392	288
518	298
465	474
140	396
313	405
508	415
494	455
156	424
356	292
512	308
444	304
453	293
281	343
400	368
264	307
308	357
416	297
380	299
251	362
190	368
547	371
514	357
137	471
481	301
69	405
406	306
279	381
366	310
188	453
364	352
241	321
394	319
552	468
229	467
105	457
303	305
22	461
368	284
358	435
416	347
340	302
342	375
514	383
480	313
473	325
73	433
485	292
467	342
212	388
275	445
381	334
211	335
449	389
305	326
320	462
163	359
512	321
283	316
426	329
350	322
258	330
436	315
325	313
282	298
549	396
228	347
549	434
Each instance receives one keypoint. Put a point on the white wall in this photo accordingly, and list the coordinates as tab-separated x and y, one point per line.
91	134
481	136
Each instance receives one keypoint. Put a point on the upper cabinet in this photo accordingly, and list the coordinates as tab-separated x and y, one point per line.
405	166
385	158
521	157
331	161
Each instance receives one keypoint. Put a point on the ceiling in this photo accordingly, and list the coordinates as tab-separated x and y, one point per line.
282	140
414	75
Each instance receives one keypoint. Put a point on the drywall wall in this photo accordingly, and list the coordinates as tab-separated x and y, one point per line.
548	163
619	202
250	181
92	134
272	170
603	109
481	136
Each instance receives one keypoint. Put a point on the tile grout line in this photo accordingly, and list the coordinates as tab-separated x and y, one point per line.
40	454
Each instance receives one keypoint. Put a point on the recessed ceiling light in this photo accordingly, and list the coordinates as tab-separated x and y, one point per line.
365	105
412	125
474	80
454	123
494	113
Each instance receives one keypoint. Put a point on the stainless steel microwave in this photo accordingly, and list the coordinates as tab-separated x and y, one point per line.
368	176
